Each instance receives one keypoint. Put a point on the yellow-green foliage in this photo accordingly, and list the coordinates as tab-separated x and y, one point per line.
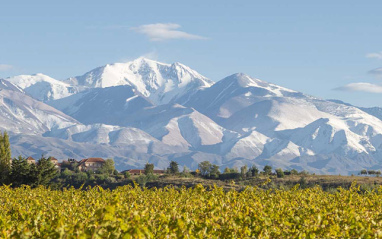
130	212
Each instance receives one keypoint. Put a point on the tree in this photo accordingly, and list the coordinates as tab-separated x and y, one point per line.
293	172
214	171
108	167
71	165
5	158
44	171
173	168
7	148
80	178
149	168
279	173
204	168
227	170
20	172
254	171
363	171
67	174
243	170
267	170
209	170
231	170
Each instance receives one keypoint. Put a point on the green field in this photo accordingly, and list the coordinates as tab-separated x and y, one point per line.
196	212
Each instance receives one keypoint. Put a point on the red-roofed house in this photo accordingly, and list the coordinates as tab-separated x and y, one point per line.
91	164
31	160
55	162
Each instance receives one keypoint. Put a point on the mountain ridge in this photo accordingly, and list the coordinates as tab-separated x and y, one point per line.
146	111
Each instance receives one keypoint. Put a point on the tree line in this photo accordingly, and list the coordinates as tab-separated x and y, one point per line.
370	172
211	171
19	172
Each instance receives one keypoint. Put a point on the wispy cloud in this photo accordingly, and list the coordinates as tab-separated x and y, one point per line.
361	86
365	86
376	55
165	31
376	72
5	67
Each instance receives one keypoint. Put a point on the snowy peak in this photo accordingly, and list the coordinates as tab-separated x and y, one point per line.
25	81
42	87
160	82
241	80
235	93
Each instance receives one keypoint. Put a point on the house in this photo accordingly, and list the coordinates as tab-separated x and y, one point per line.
55	162
142	171
31	160
91	164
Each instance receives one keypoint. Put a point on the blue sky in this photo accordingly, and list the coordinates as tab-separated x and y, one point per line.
313	47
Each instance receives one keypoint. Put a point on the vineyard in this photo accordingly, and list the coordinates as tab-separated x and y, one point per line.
199	212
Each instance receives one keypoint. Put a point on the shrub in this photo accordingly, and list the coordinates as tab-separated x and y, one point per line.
226	176
293	172
279	173
110	180
127	174
303	183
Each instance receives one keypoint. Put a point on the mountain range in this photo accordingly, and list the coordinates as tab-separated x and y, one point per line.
146	111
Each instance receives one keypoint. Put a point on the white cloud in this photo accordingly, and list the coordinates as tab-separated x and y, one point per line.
377	55
361	86
165	31
4	67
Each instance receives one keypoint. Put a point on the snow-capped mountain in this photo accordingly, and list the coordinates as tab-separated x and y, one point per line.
43	87
20	113
178	126
147	111
296	125
159	82
111	105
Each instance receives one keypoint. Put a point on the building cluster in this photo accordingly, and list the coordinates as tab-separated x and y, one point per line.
88	164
